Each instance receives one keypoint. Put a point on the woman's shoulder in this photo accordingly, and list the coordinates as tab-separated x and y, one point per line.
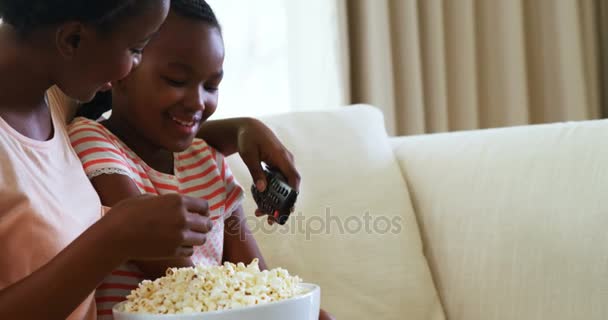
63	105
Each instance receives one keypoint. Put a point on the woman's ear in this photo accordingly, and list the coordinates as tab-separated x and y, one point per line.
118	84
120	87
68	38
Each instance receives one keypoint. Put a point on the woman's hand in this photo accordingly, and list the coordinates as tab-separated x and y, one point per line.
256	144
324	315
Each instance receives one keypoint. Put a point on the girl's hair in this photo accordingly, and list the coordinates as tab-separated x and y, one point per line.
28	15
192	9
195	9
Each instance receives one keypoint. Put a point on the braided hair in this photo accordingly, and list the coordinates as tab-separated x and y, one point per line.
28	15
193	9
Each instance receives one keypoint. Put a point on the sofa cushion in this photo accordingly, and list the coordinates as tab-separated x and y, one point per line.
350	179
514	221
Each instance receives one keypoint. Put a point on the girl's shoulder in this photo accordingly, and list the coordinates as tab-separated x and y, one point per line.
84	125
87	136
198	144
92	133
99	150
201	148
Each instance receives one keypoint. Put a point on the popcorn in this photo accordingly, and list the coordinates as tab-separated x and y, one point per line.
203	288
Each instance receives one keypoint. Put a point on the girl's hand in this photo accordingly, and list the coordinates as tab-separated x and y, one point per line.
159	227
257	143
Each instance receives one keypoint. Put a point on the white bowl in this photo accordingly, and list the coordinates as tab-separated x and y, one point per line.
302	307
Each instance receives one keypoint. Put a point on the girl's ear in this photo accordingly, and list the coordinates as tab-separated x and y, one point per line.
68	38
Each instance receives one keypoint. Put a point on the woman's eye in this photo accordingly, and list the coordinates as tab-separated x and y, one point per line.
137	51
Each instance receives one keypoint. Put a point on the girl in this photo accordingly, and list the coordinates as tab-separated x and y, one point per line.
55	245
148	144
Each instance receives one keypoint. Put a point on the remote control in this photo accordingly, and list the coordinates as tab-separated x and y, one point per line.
278	199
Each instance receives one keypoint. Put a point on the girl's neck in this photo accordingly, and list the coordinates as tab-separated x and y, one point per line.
153	155
24	80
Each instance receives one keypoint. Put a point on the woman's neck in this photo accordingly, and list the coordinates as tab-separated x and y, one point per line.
24	79
155	156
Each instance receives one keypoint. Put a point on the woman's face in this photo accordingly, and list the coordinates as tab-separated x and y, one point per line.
97	59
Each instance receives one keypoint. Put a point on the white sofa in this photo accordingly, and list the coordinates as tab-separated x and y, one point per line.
482	225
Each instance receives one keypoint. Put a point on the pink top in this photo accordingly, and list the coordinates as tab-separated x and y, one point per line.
46	201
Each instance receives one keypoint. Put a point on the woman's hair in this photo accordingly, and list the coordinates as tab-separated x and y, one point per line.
192	9
28	15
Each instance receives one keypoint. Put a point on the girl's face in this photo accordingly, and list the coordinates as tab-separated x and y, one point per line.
175	88
98	59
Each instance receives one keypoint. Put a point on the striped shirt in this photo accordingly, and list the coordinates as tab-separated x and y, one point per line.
200	171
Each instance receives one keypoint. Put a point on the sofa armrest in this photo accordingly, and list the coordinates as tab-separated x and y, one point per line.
513	220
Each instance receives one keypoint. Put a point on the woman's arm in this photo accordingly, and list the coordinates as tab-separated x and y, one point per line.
239	243
255	143
114	188
145	227
223	134
56	289
249	137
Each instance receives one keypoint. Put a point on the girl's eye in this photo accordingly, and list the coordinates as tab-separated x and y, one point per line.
175	83
211	88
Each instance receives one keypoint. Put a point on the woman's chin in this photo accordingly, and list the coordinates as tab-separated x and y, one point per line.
82	95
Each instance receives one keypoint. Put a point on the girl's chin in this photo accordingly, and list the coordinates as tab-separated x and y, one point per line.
180	146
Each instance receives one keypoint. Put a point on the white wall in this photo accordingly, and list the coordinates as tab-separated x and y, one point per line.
281	55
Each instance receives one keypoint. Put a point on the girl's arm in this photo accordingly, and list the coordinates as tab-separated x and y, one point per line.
239	243
114	188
